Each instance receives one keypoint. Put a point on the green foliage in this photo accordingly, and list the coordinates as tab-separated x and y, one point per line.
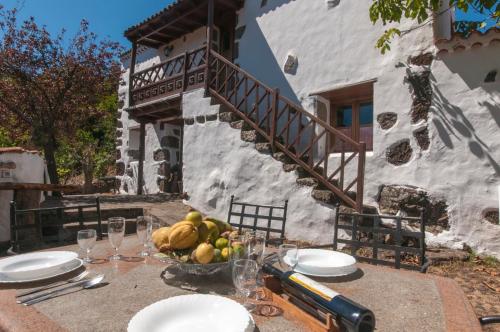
421	11
92	147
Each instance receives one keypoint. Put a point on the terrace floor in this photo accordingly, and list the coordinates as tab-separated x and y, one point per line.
478	277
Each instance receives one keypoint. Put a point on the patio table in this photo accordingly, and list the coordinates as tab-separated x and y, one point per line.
401	300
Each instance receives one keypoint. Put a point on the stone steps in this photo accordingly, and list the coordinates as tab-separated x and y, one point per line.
319	192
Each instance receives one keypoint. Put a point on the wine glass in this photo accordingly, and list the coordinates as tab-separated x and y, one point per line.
86	241
291	252
116	231
144	225
245	279
255	245
155	225
237	247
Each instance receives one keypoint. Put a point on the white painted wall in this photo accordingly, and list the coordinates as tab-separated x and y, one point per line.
218	164
30	168
335	47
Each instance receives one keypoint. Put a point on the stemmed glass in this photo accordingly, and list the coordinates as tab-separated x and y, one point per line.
256	246
144	226
86	240
245	273
116	231
288	256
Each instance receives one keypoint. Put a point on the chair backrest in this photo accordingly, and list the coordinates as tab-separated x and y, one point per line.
393	236
34	221
265	218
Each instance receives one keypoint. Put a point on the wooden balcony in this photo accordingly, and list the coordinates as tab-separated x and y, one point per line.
170	77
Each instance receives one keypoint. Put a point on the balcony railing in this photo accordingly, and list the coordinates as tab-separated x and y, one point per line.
174	75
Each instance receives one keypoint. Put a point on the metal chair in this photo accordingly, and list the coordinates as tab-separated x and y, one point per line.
269	219
370	225
45	218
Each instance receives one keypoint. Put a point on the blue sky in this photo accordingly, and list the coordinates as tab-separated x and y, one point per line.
108	18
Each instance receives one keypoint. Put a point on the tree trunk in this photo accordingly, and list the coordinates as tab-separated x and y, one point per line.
88	175
49	151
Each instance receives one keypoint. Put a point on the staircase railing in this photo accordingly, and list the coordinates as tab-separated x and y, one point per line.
303	137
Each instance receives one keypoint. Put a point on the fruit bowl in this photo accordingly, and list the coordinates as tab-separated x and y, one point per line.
192	268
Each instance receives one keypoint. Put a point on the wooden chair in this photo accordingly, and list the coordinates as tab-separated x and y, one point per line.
265	218
49	218
370	225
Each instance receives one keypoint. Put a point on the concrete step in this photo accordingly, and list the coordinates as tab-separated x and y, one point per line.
264	148
325	196
308	182
281	156
228	117
237	124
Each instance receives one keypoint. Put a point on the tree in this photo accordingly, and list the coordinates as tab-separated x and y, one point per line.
423	11
50	86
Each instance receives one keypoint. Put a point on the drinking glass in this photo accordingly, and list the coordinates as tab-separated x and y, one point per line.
255	245
86	240
291	252
144	226
116	231
155	225
237	247
245	279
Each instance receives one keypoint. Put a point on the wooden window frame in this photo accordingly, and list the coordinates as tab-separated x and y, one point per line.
356	126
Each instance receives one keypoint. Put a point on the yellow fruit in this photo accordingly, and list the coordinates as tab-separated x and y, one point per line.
195	217
183	236
160	237
183	222
226	253
221	243
205	253
208	232
222	225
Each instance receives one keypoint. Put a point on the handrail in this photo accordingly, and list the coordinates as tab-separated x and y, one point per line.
158	65
302	136
288	101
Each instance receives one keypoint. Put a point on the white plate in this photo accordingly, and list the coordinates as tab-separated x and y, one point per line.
59	271
193	313
34	264
324	263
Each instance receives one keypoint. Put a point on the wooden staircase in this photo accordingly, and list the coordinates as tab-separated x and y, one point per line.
300	140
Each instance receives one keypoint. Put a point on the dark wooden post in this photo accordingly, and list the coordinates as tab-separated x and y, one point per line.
142	148
274	114
131	74
210	31
186	68
361	177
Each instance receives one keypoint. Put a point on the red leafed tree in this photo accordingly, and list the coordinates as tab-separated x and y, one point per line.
50	85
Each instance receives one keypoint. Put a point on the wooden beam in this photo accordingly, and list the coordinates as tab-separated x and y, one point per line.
170	23
210	29
142	154
39	186
131	74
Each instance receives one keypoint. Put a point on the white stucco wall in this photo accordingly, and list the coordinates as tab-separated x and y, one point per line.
30	168
218	164
334	48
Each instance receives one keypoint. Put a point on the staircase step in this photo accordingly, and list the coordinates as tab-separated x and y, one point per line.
237	124
228	117
325	196
264	147
281	156
249	136
309	182
301	172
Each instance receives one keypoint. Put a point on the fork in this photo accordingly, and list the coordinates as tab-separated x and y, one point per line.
56	284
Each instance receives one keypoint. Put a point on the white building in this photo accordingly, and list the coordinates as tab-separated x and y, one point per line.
428	113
